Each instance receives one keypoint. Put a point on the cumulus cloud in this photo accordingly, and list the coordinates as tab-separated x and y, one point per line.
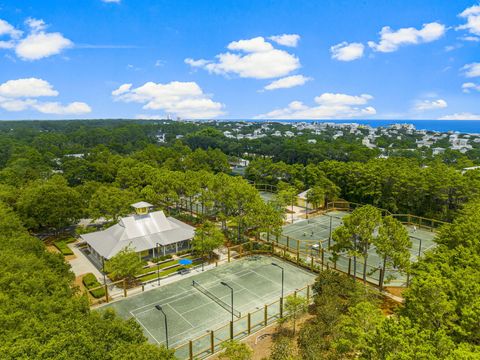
347	51
461	116
23	94
328	106
423	105
467	87
252	58
391	40
472	70
287	82
29	87
290	40
183	99
472	15
37	44
40	45
7	29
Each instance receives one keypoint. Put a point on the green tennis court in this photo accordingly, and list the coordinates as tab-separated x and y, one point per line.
310	235
267	196
191	313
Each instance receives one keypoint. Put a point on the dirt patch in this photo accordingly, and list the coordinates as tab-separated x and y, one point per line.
52	249
397	291
70	257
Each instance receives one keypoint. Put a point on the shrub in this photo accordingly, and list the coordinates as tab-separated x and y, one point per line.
91	282
62	246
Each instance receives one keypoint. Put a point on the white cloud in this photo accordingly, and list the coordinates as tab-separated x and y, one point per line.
29	87
257	44
461	116
40	45
290	40
23	94
74	108
36	25
472	14
255	58
112	1
423	105
472	70
287	82
467	87
9	30
328	106
391	40
10	44
37	44
183	99
122	89
149	117
197	63
347	51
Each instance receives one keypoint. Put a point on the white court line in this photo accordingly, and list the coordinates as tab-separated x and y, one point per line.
179	295
188	322
154	338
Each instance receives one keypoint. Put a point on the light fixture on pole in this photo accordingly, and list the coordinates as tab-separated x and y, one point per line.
159	308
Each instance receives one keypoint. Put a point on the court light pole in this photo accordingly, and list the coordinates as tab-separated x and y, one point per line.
159	308
283	274
231	295
283	278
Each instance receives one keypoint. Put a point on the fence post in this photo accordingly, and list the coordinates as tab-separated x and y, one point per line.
231	330
249	323
190	349
281	307
288	242
308	293
380	280
322	258
349	265
106	293
311	262
212	342
265	315
228	249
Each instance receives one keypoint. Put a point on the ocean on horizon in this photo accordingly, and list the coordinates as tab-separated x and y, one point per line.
462	126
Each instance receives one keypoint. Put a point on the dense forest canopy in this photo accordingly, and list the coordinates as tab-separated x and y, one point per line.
54	173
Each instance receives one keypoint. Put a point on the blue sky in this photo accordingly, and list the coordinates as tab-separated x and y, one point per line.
240	59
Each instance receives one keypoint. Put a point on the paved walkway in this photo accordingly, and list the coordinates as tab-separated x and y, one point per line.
81	264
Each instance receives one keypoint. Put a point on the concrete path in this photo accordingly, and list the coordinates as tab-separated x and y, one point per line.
81	264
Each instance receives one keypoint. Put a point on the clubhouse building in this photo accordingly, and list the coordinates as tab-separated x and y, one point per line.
150	234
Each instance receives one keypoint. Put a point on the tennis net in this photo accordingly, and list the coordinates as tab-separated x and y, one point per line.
215	298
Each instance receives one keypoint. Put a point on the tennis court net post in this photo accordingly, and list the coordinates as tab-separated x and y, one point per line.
216	299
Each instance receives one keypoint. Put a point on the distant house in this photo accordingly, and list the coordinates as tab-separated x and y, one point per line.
150	234
302	200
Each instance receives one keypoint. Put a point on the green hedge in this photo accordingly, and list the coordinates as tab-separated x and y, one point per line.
63	247
91	282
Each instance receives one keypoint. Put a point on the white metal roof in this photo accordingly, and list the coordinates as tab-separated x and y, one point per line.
141	232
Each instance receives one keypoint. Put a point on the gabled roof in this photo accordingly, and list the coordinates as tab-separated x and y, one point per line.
141	232
142	205
303	194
